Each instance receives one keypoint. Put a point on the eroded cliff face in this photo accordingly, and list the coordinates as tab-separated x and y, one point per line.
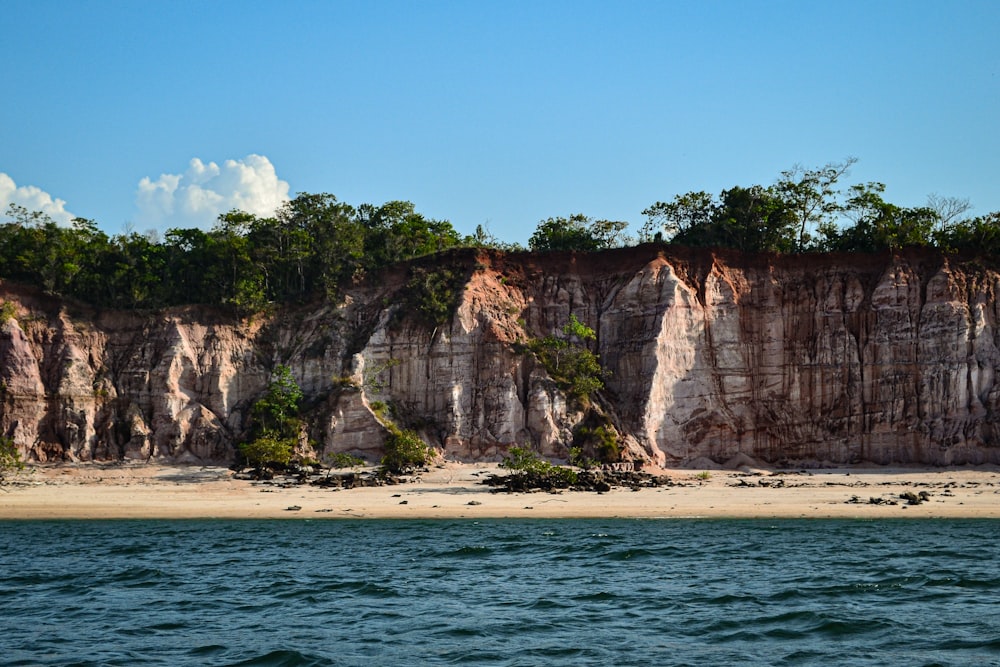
887	358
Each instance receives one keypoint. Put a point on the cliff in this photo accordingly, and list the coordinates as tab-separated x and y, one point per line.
881	358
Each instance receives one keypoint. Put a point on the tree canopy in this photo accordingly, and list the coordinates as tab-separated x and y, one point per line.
806	210
577	232
315	244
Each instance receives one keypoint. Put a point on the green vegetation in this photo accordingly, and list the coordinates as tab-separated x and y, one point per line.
7	311
315	245
344	460
525	464
372	377
433	295
268	450
522	459
528	470
577	232
404	451
275	424
748	219
807	211
276	410
484	238
704	476
574	368
10	458
600	441
580	460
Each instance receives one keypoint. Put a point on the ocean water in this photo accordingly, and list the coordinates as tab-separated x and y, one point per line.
539	592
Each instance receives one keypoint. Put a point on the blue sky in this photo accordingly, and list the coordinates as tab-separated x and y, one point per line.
495	113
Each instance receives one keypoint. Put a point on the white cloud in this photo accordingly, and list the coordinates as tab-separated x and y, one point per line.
197	197
33	199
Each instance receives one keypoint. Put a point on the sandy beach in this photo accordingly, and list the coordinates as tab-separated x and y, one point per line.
97	491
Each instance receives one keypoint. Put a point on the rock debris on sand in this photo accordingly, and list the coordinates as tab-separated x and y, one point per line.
82	491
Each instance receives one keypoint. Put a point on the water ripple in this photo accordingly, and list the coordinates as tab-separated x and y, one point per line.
500	592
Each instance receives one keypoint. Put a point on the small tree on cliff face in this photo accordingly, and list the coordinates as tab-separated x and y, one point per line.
574	368
275	422
276	410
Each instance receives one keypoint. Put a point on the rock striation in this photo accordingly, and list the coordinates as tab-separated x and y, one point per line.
888	358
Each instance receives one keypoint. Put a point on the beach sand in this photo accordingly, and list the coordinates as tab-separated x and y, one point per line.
128	491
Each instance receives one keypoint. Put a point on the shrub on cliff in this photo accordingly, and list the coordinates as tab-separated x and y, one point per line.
574	368
10	458
431	295
404	451
601	441
8	311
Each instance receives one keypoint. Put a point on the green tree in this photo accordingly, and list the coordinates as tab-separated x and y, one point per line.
754	219
599	441
192	267
312	243
395	232
275	424
87	244
610	233
243	283
433	294
10	458
135	273
277	409
404	451
577	232
341	460
8	311
574	368
268	449
664	220
34	249
878	224
757	219
811	197
336	239
980	235
523	459
282	249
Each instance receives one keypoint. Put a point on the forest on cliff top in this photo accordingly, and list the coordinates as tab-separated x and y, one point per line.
316	245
